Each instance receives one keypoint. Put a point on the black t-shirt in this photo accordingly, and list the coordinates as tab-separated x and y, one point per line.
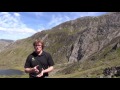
44	61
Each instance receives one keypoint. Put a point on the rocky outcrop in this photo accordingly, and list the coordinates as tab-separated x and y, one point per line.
100	32
111	72
4	43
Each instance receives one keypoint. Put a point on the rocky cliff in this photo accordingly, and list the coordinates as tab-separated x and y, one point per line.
4	43
97	34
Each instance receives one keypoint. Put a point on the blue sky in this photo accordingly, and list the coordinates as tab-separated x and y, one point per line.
20	25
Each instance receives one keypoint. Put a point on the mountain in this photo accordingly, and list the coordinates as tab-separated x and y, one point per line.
6	40
4	43
80	48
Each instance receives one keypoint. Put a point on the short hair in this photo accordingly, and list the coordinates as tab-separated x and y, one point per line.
38	41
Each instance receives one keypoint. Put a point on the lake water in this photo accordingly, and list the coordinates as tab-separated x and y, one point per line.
11	72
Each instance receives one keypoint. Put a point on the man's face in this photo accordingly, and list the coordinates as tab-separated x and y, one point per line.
38	47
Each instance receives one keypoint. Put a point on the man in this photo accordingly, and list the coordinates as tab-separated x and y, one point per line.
39	63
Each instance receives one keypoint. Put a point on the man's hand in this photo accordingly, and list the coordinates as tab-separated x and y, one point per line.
41	74
35	69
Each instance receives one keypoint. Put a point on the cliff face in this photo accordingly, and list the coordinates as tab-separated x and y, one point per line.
4	43
98	34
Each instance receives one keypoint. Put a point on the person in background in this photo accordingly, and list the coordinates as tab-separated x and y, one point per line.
39	63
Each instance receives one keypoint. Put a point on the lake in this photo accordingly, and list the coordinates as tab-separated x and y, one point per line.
11	72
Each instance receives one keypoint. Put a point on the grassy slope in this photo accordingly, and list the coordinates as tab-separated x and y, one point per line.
15	56
89	69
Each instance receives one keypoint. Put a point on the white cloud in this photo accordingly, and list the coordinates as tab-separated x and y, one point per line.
83	14
38	14
41	28
11	23
55	20
18	30
93	13
17	14
4	13
13	35
67	18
